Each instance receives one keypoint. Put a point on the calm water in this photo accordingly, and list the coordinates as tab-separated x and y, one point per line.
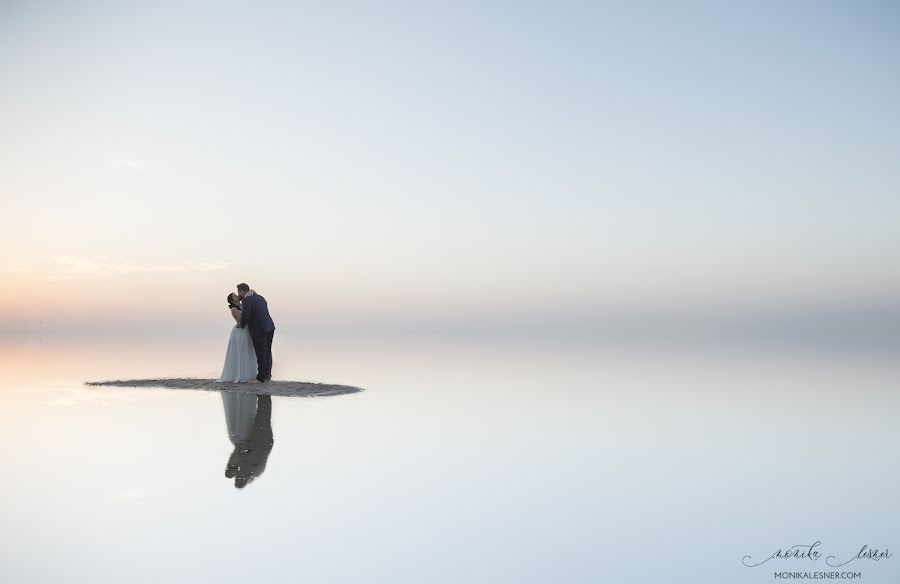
461	461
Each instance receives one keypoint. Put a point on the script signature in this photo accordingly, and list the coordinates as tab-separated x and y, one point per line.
811	553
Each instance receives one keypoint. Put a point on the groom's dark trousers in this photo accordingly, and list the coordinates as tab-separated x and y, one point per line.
255	314
262	345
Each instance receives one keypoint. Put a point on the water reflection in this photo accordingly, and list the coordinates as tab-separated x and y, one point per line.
248	418
248	414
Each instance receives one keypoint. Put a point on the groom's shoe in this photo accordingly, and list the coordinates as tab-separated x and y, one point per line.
261	379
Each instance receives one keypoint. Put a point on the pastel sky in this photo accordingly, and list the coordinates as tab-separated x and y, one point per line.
430	161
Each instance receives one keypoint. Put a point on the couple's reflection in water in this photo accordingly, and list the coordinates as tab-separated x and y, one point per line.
248	418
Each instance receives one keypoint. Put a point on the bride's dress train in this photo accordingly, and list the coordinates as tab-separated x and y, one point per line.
240	358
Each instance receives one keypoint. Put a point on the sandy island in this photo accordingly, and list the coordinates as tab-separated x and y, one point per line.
277	388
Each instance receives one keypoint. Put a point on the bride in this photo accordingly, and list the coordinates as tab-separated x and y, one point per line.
240	358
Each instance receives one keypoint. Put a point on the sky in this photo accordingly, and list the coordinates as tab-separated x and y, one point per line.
421	164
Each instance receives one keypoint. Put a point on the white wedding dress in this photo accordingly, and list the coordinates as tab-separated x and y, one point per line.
240	358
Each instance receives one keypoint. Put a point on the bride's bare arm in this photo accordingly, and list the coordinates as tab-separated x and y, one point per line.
236	314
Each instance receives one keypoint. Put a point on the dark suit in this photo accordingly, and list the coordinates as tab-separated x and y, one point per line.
255	314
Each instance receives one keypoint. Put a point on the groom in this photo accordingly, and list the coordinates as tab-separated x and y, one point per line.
255	313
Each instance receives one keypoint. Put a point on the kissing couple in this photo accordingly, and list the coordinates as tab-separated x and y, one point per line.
249	353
